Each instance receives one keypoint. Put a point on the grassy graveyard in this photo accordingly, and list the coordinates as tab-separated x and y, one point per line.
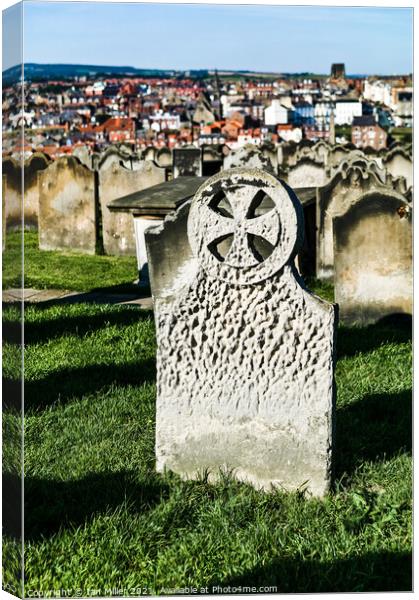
98	516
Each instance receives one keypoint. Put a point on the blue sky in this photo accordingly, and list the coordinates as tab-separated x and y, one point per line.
265	38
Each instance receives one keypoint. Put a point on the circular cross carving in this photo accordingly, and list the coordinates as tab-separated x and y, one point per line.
243	225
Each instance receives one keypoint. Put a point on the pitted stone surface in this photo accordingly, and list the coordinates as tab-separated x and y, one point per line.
245	362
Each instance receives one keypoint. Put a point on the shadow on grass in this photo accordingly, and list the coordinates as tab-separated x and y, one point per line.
12	505
11	330
47	329
396	329
67	384
369	572
51	504
378	426
11	395
81	324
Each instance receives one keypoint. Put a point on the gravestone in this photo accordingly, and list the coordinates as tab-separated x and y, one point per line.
373	258
13	185
334	199
116	181
84	155
149	153
67	207
187	162
398	163
306	173
164	157
37	163
248	156
112	155
245	352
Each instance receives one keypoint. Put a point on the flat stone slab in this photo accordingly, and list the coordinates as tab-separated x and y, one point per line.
159	199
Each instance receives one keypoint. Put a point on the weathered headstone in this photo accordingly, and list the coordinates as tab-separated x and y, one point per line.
37	163
112	155
13	186
248	156
245	353
82	152
164	157
67	207
307	173
149	153
373	258
333	199
187	162
116	181
398	163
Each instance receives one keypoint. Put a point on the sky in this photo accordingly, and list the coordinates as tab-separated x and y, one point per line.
259	38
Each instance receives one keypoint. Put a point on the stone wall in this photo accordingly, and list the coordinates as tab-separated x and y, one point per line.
68	217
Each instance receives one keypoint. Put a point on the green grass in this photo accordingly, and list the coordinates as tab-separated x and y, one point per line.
99	517
68	271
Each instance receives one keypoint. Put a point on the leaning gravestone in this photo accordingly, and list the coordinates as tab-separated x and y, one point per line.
245	353
187	162
68	217
373	258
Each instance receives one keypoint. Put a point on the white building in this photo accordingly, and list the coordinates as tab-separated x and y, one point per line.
276	114
377	91
346	110
164	120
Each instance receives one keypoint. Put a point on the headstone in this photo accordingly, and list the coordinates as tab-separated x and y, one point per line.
358	159
187	162
164	157
398	163
12	170
373	258
112	155
67	207
245	352
335	198
118	226
149	153
82	152
248	156
15	184
37	163
307	173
